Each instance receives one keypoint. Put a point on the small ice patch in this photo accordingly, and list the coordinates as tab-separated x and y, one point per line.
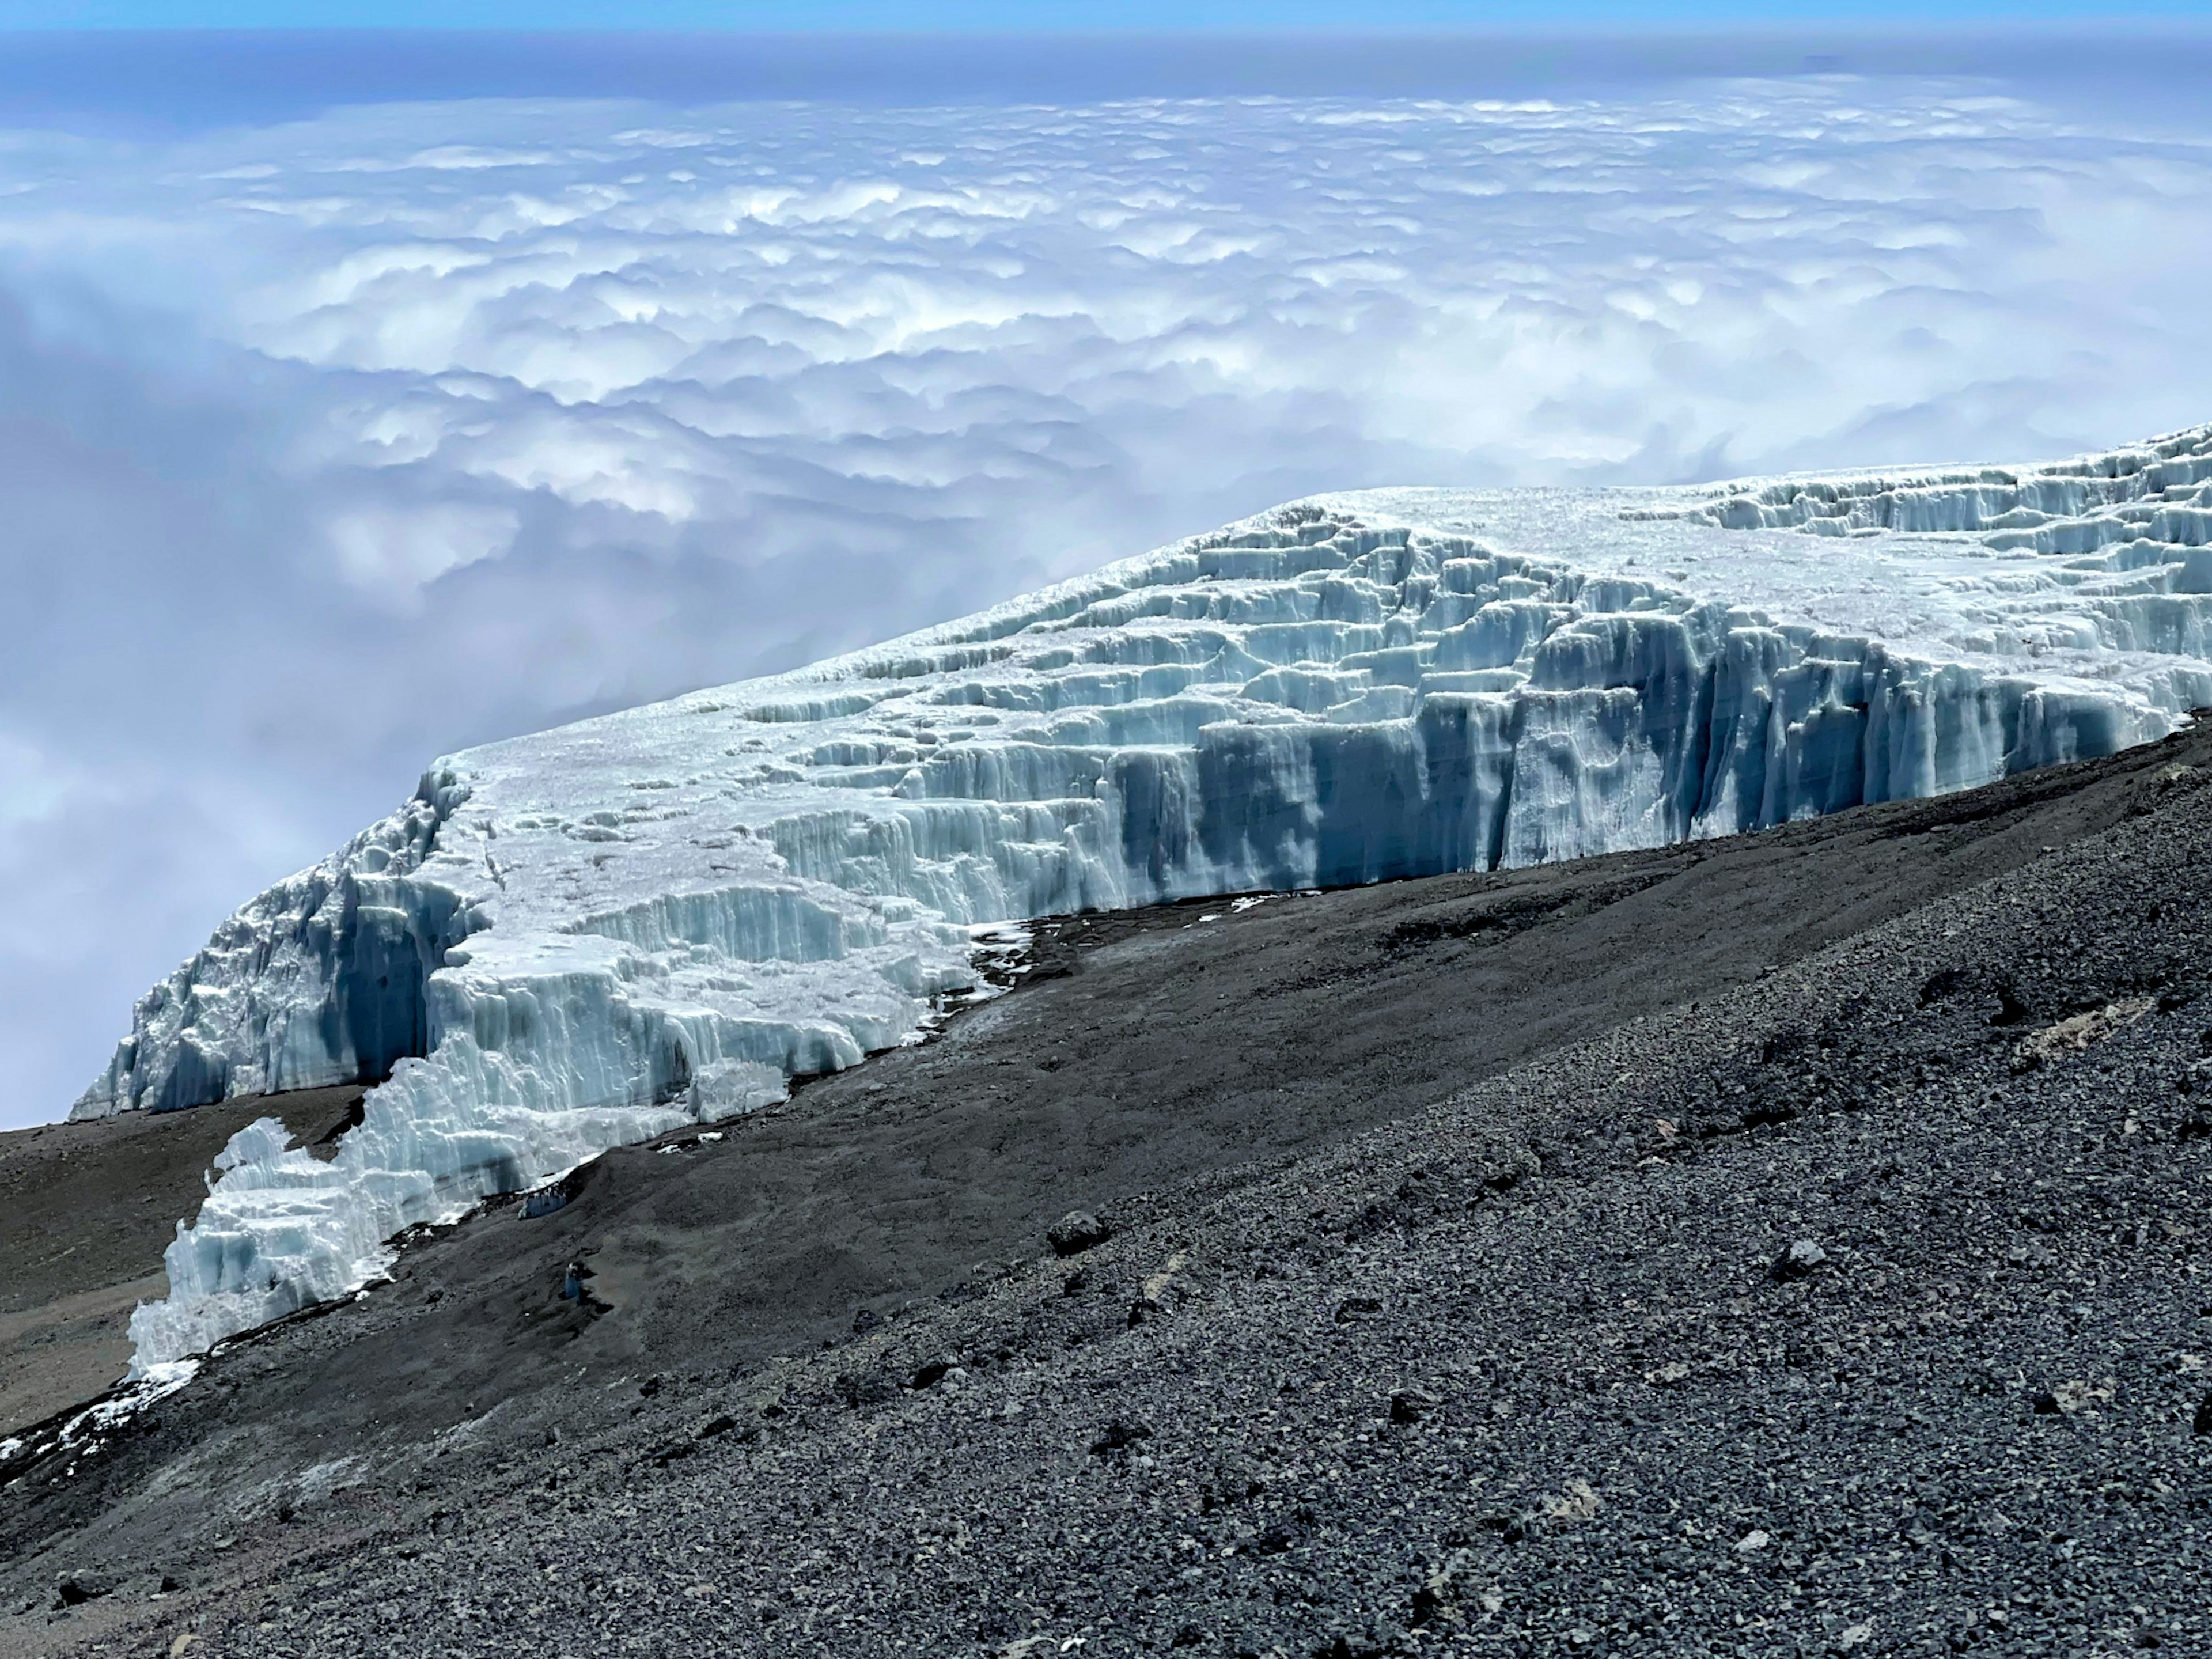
85	1433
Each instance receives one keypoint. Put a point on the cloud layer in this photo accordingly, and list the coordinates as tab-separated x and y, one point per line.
329	446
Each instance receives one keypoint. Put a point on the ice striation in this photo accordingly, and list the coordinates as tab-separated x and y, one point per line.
593	935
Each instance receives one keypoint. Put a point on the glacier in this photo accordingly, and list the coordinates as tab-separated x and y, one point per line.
587	937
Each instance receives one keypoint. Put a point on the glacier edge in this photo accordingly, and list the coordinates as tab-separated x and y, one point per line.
586	937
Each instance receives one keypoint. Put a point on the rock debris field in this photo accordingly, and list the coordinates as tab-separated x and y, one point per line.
1788	1245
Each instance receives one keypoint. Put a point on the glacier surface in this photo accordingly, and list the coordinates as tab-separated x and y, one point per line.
585	937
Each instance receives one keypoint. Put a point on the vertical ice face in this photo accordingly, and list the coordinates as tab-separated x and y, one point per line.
585	937
319	979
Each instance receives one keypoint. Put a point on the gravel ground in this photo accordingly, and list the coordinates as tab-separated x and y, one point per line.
1858	1306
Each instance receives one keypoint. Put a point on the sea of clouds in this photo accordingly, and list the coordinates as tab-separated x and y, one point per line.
329	445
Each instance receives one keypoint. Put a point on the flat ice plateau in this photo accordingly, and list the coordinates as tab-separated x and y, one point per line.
585	937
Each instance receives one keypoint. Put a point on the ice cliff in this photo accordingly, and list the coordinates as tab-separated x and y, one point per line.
584	937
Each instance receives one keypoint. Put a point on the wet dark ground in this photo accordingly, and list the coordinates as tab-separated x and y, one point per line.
1441	1309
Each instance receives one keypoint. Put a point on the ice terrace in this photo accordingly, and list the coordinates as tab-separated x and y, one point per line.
586	937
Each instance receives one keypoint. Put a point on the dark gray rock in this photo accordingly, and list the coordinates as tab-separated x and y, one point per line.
1802	1260
1409	1406
1120	1435
77	1586
931	1372
1077	1232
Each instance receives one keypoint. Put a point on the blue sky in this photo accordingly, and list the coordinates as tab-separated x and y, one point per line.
1033	15
143	83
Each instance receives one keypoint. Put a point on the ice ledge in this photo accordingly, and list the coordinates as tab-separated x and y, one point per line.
319	979
584	937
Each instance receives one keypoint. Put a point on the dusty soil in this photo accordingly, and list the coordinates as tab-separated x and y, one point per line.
1447	1302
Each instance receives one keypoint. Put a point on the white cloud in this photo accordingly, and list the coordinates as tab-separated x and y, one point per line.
33	786
327	447
392	550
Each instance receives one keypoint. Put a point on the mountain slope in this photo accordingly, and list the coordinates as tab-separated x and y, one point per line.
1449	1292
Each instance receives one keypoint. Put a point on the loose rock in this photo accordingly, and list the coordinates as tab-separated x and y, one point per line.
1411	1405
1075	1232
1801	1261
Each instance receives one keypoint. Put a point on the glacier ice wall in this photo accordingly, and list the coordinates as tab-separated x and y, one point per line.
585	937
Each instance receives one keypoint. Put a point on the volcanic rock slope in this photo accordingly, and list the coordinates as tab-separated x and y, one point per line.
1808	1257
590	936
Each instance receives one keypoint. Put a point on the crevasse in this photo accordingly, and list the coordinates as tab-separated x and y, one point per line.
586	937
